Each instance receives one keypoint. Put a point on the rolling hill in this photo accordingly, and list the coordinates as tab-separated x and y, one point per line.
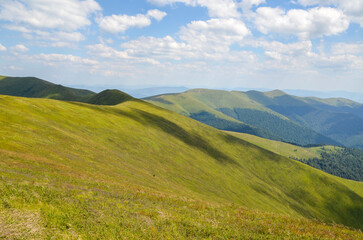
337	118
214	106
110	97
73	170
38	88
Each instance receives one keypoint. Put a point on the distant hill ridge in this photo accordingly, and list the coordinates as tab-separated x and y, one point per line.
298	120
37	88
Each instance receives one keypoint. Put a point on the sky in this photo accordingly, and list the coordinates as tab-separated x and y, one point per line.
270	44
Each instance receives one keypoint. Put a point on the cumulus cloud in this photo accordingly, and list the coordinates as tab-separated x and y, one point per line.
66	15
55	20
246	5
2	48
107	52
120	23
59	37
311	23
352	8
343	62
166	47
216	8
19	48
301	57
54	58
217	33
203	40
347	48
296	49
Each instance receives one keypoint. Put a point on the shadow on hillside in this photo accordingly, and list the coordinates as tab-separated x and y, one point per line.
168	127
191	139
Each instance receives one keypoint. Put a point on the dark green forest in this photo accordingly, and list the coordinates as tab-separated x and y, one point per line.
285	129
343	162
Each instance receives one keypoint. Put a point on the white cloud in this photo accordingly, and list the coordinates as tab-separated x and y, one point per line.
352	8
246	5
303	48
165	47
300	57
344	62
53	59
107	52
120	23
216	8
217	34
59	37
66	15
315	22
55	20
19	48
347	48
199	40
157	14
284	56
2	48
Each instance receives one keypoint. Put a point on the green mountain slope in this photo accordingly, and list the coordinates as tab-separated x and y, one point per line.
339	161
282	148
214	106
110	97
37	88
338	119
98	171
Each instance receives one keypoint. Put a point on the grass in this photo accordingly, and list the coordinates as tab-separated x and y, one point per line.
284	149
135	171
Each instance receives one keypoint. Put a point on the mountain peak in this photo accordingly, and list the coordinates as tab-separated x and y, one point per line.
275	93
110	97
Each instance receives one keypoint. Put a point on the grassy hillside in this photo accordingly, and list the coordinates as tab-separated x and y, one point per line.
72	169
37	88
339	161
337	118
214	107
282	148
110	97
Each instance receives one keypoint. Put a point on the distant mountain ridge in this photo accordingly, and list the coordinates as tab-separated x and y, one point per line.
37	88
298	120
152	91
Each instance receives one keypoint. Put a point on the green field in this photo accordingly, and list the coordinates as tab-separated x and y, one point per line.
131	171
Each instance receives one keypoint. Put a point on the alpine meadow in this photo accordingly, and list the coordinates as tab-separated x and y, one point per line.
181	119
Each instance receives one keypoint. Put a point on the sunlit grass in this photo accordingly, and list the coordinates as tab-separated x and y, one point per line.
135	171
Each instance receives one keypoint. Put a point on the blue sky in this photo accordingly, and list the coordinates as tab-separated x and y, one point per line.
300	44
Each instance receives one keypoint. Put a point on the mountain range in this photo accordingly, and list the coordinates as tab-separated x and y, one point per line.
298	120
